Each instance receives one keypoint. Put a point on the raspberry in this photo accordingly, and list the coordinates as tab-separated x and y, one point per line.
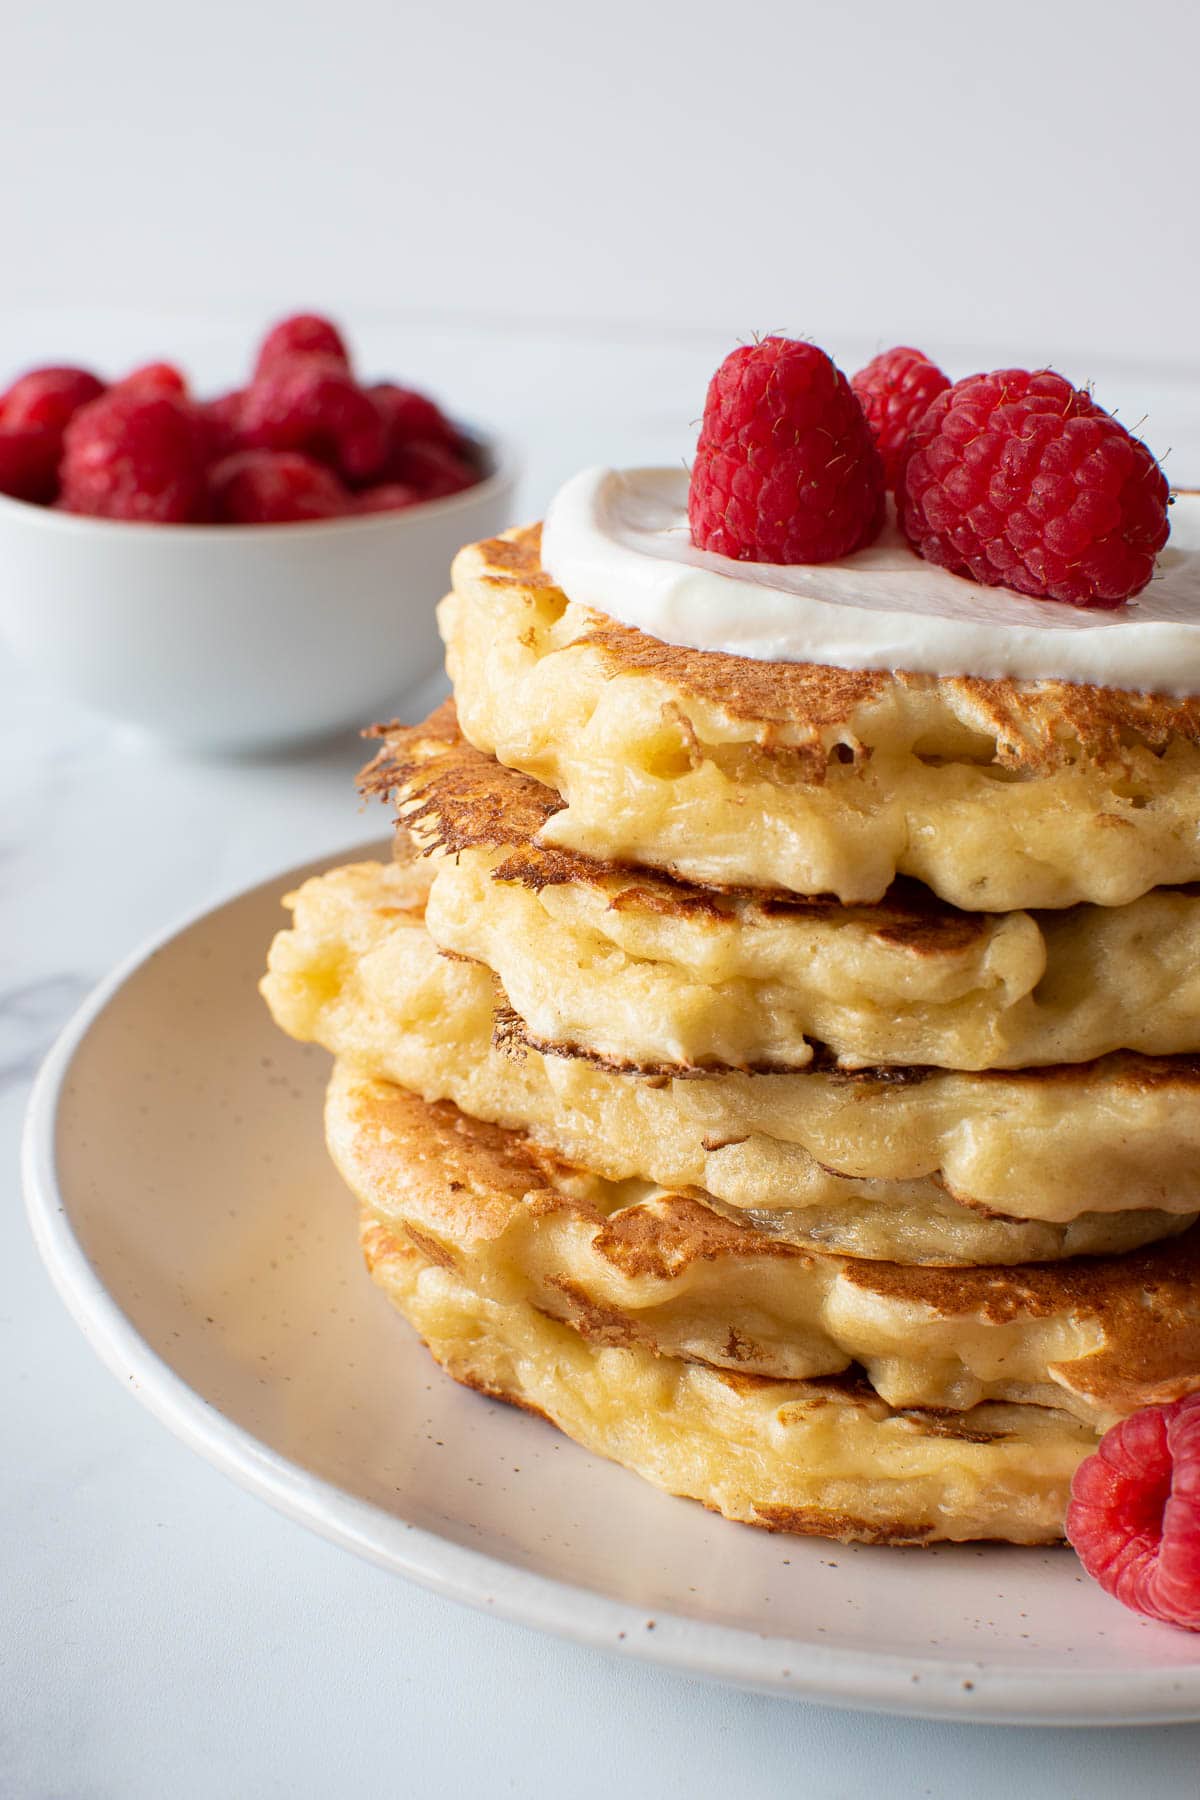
433	469
786	470
156	378
135	454
408	415
1134	1516
893	390
1020	480
304	335
386	496
49	397
29	462
274	487
33	416
221	417
313	404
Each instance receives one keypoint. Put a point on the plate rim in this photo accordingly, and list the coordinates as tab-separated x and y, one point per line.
878	1681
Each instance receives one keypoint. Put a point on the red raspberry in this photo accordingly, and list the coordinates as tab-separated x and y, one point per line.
33	416
408	415
786	470
893	390
1134	1516
135	454
29	462
313	404
222	420
386	496
433	469
156	378
49	397
274	487
1020	480
304	335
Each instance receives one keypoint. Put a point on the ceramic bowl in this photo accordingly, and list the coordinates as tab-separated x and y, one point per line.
240	637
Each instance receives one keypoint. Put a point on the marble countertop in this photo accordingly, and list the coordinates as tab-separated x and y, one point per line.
163	1633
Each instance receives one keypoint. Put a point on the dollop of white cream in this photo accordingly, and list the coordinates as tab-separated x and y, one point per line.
617	540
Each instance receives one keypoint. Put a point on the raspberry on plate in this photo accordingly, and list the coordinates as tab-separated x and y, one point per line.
306	334
274	487
1134	1516
1020	480
786	469
314	405
136	454
893	390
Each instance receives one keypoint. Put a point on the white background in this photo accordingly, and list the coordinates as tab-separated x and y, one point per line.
1021	175
560	217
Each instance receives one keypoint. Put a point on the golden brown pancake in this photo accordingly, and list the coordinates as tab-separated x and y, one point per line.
643	972
824	1458
998	795
627	1265
910	1165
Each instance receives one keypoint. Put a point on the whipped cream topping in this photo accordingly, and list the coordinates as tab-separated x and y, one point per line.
617	540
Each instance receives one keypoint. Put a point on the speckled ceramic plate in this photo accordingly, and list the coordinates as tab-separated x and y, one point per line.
180	1194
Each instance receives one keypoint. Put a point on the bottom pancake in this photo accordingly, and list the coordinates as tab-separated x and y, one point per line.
823	1458
631	1264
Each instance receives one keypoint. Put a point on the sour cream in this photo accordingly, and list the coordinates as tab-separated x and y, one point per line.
617	540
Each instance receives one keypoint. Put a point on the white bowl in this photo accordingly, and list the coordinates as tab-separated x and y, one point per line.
235	637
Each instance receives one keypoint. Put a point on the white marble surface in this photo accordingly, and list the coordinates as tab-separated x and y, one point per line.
161	1632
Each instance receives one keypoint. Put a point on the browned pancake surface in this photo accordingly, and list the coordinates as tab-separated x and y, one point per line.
469	1182
1037	725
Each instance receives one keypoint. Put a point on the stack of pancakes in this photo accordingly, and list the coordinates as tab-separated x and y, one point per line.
784	1079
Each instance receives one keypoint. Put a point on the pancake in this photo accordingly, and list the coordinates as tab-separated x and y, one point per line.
998	795
643	972
820	1458
1098	1338
909	1165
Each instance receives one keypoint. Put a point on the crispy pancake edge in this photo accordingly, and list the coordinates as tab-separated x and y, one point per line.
451	797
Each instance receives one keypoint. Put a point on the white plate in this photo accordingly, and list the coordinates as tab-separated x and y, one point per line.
179	1191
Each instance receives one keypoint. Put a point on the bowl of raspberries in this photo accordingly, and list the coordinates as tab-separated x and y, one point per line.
246	570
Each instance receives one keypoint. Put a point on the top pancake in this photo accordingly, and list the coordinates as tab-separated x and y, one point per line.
997	794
